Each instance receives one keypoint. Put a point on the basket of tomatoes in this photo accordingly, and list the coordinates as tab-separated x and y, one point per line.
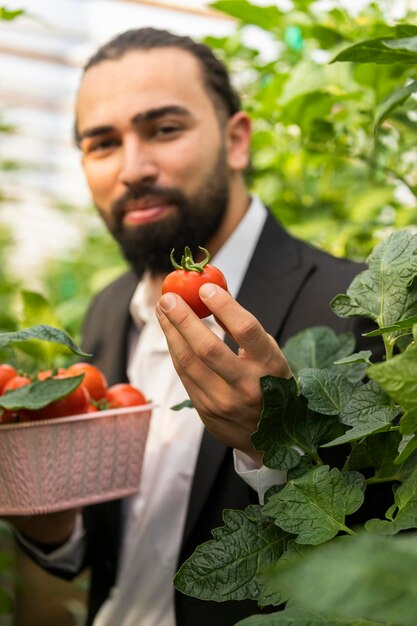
67	439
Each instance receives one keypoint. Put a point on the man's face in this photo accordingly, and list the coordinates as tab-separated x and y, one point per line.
154	154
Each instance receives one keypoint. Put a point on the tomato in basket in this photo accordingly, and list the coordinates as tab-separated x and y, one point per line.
7	372
16	383
94	380
123	394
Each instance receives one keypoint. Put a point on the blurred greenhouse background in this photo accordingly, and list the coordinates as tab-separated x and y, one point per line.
45	212
315	162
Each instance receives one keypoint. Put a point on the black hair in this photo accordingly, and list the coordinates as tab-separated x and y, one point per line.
215	74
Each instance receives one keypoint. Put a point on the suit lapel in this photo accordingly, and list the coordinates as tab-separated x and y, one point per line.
273	279
111	355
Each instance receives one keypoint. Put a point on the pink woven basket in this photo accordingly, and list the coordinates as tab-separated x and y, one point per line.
58	464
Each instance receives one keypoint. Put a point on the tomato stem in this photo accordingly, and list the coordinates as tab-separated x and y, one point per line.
187	261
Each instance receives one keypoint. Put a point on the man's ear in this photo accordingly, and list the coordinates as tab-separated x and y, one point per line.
238	137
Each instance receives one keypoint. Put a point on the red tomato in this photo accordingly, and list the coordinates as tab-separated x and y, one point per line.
124	394
188	277
9	417
94	380
7	372
75	403
16	382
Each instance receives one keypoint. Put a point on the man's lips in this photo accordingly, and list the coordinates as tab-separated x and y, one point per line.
145	210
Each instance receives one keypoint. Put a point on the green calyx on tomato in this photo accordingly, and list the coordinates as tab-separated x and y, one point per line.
187	261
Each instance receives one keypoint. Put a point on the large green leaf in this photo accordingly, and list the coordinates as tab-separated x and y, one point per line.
228	567
315	505
403	516
287	429
364	577
403	44
267	17
405	30
385	292
405	326
378	50
304	617
398	378
367	411
317	347
379	452
326	391
392	102
40	393
41	332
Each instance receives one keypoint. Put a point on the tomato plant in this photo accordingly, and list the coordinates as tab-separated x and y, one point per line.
123	394
342	437
187	278
94	379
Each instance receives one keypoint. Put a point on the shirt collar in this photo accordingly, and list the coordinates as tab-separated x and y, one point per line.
232	259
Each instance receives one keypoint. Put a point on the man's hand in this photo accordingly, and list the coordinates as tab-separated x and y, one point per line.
223	386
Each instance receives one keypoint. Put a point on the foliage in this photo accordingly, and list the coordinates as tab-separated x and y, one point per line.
70	283
315	162
7	14
398	48
345	431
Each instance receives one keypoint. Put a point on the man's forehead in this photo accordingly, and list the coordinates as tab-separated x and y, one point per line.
145	69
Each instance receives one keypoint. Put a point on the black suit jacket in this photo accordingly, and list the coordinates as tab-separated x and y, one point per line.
288	287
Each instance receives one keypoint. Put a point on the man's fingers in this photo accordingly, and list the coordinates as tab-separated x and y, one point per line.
248	333
194	340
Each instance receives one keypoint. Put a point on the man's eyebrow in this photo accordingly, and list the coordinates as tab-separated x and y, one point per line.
92	132
152	114
137	119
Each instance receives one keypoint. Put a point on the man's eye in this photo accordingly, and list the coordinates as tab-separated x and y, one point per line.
167	130
101	145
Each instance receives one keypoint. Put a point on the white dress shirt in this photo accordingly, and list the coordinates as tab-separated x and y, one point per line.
144	594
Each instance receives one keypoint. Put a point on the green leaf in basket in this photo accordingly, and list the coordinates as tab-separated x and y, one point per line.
40	393
44	333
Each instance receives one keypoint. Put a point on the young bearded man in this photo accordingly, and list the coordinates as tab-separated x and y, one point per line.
164	147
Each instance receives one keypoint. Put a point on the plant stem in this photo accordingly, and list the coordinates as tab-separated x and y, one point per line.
347	530
389	346
316	458
377	481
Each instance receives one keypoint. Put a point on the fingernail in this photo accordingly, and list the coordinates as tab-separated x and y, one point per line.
208	290
168	301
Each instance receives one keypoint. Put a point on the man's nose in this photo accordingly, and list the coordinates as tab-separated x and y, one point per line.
138	165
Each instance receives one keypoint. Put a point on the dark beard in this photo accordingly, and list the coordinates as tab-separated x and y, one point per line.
196	220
